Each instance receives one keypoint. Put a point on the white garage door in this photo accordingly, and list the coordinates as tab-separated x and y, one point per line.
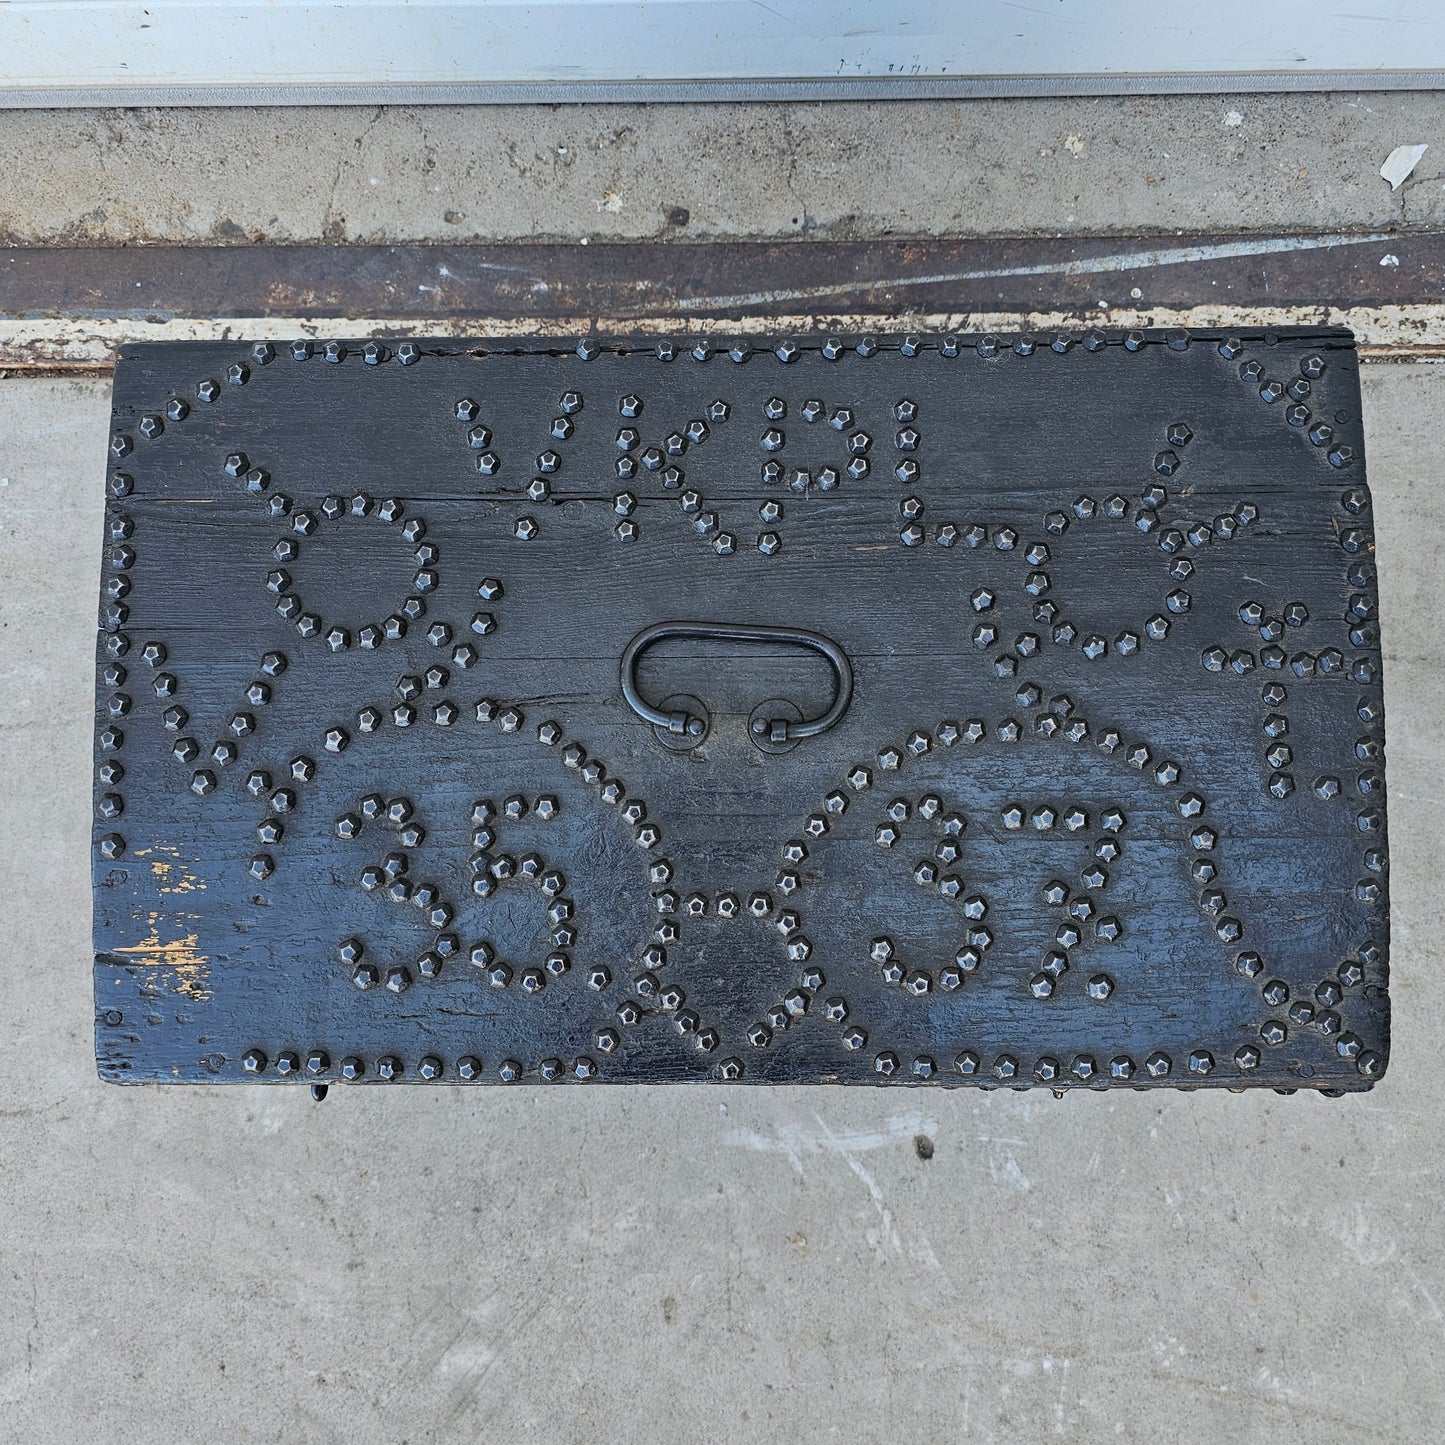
79	52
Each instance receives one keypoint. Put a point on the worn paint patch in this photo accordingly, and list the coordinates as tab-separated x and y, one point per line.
176	964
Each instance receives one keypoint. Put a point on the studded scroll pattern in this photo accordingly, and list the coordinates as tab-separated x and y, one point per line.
767	468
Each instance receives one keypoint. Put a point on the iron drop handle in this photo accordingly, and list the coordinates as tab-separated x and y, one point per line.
766	732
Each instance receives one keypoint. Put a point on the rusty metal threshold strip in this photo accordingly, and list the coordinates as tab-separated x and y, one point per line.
71	307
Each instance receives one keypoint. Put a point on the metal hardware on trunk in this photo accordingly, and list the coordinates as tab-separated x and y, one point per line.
770	730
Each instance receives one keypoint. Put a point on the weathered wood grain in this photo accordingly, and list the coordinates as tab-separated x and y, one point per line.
1124	601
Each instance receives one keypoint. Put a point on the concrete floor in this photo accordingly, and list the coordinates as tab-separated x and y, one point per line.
688	173
749	1265
643	1264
